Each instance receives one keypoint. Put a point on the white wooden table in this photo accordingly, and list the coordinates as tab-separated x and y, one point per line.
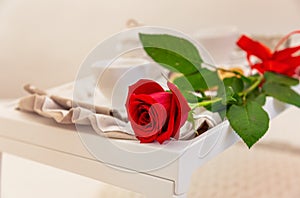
42	140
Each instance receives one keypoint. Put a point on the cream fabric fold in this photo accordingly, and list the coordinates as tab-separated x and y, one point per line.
103	125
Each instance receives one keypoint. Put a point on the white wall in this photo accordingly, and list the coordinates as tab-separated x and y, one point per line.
44	42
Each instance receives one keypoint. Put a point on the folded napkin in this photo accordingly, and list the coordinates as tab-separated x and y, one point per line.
104	125
104	121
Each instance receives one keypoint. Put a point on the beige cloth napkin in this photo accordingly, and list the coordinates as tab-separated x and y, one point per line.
104	121
104	125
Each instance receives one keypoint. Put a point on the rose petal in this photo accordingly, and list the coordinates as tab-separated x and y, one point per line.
159	116
141	87
144	118
135	102
177	116
144	131
163	98
182	105
147	139
165	135
145	86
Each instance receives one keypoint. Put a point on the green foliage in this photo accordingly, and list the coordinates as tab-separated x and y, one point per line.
257	96
236	83
174	53
239	98
250	121
280	79
282	92
202	80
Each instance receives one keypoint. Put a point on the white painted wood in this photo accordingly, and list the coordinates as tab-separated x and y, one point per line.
131	180
42	140
180	196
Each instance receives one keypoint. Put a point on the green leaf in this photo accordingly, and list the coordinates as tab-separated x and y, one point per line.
200	81
237	84
216	106
191	98
229	96
228	93
232	99
229	90
174	53
257	96
246	80
249	121
234	83
250	80
260	99
280	79
282	93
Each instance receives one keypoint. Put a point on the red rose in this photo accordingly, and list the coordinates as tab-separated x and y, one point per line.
284	61
155	114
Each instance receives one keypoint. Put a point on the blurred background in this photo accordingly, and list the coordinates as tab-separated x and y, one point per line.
43	42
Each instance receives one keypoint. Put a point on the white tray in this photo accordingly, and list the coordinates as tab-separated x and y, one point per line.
166	168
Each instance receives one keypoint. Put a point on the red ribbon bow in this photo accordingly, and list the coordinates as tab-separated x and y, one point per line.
280	61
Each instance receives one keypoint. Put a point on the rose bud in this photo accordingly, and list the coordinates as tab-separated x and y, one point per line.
155	114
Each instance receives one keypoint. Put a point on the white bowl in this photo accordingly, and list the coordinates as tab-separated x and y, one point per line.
114	79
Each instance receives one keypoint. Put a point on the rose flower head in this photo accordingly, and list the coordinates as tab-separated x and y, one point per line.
155	114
